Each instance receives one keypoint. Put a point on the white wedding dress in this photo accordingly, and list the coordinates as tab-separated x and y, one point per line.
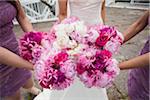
90	12
87	10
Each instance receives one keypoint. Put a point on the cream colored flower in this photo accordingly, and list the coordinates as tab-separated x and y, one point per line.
60	27
72	44
81	28
63	40
76	50
69	28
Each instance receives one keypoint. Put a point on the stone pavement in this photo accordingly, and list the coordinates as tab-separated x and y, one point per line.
121	18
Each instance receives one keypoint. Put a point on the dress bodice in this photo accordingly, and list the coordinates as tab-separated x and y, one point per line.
7	14
87	10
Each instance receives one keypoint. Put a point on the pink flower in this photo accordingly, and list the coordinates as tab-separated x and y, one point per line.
27	56
113	46
102	40
112	68
103	81
39	69
80	69
44	85
57	72
36	53
82	62
103	55
68	67
27	44
61	57
104	36
34	36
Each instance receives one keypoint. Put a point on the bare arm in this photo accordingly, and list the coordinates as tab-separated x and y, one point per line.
140	61
62	9
22	18
103	13
9	58
136	27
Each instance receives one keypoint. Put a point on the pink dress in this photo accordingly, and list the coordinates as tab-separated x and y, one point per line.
11	78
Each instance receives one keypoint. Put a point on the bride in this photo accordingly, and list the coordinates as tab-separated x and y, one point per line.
91	12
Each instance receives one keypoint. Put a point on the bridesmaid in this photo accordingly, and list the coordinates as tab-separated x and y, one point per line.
14	71
138	81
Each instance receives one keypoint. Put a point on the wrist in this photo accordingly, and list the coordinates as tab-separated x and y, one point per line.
122	65
29	66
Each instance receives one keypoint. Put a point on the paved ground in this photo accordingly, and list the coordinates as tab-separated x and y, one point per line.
121	18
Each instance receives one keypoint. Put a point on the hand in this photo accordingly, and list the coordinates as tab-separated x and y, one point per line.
11	59
136	62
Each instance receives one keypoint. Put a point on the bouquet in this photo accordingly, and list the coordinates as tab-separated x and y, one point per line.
72	48
55	70
95	64
28	43
97	68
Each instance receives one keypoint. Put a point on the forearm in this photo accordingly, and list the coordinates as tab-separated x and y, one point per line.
25	24
103	12
132	31
62	9
9	58
137	62
136	27
22	19
62	17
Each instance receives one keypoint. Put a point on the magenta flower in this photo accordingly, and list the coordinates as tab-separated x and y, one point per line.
102	40
61	57
101	58
34	36
27	56
28	43
103	55
105	34
80	69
